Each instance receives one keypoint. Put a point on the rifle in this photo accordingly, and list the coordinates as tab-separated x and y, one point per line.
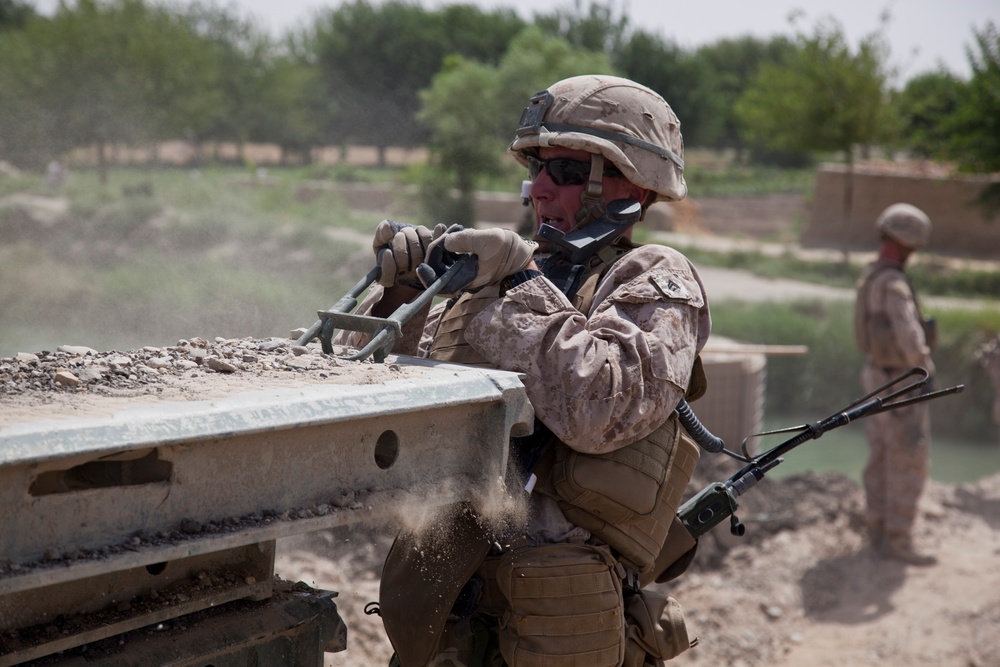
714	503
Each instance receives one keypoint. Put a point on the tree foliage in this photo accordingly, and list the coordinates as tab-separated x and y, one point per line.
923	110
823	97
976	126
733	65
108	72
374	60
471	110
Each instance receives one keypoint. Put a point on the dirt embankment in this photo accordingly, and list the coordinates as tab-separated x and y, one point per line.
802	588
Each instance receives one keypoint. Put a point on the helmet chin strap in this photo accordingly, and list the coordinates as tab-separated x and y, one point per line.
592	199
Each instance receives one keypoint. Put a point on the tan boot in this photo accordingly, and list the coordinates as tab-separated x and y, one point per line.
900	547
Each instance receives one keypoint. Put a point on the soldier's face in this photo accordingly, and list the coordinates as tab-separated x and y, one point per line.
557	204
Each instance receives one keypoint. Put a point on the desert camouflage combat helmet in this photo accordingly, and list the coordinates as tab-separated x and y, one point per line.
905	224
625	122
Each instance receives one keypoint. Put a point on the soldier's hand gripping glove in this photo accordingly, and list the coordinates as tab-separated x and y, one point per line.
399	248
497	253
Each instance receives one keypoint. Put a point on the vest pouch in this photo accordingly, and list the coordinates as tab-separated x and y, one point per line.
565	607
620	485
628	498
655	629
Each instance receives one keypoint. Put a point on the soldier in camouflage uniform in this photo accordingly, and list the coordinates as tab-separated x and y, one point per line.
894	336
603	367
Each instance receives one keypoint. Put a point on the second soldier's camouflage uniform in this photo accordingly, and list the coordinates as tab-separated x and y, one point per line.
893	335
899	439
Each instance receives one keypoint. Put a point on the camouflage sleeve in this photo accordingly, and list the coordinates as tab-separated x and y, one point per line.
413	329
603	380
908	334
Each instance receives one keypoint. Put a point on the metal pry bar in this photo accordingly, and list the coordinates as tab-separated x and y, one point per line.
384	330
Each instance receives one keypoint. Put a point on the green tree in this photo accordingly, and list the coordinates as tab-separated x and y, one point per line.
598	28
103	73
290	107
924	109
374	59
976	124
69	81
733	65
688	83
14	14
824	98
239	55
471	110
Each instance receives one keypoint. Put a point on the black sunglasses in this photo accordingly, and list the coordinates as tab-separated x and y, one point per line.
565	171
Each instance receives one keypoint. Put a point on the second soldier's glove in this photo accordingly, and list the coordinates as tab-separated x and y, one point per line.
497	253
399	248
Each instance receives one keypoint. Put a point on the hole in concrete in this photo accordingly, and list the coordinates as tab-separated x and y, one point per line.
386	450
102	474
156	568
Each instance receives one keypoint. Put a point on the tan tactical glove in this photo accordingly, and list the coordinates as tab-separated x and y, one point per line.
399	248
497	254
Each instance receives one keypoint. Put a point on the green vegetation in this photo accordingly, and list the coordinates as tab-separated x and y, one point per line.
104	73
826	378
734	180
934	277
171	254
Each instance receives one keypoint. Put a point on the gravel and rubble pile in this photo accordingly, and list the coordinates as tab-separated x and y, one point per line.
80	368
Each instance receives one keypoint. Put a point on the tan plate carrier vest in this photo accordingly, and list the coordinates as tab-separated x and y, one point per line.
872	325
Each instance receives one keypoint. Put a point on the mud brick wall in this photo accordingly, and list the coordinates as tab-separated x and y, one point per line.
960	227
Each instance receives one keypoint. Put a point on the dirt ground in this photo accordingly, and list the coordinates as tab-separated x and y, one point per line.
802	588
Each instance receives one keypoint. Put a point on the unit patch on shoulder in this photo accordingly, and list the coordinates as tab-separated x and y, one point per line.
671	287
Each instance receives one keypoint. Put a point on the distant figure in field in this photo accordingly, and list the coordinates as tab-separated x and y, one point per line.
895	337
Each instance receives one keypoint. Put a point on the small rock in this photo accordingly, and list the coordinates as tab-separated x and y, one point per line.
296	334
773	611
299	350
76	350
66	379
306	361
119	361
92	374
52	553
26	357
220	365
160	362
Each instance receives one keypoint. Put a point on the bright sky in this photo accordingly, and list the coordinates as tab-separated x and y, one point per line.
922	35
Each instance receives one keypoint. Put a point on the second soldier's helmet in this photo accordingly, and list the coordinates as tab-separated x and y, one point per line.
629	124
905	224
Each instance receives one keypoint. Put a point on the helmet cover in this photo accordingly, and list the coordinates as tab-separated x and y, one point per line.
626	122
905	224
